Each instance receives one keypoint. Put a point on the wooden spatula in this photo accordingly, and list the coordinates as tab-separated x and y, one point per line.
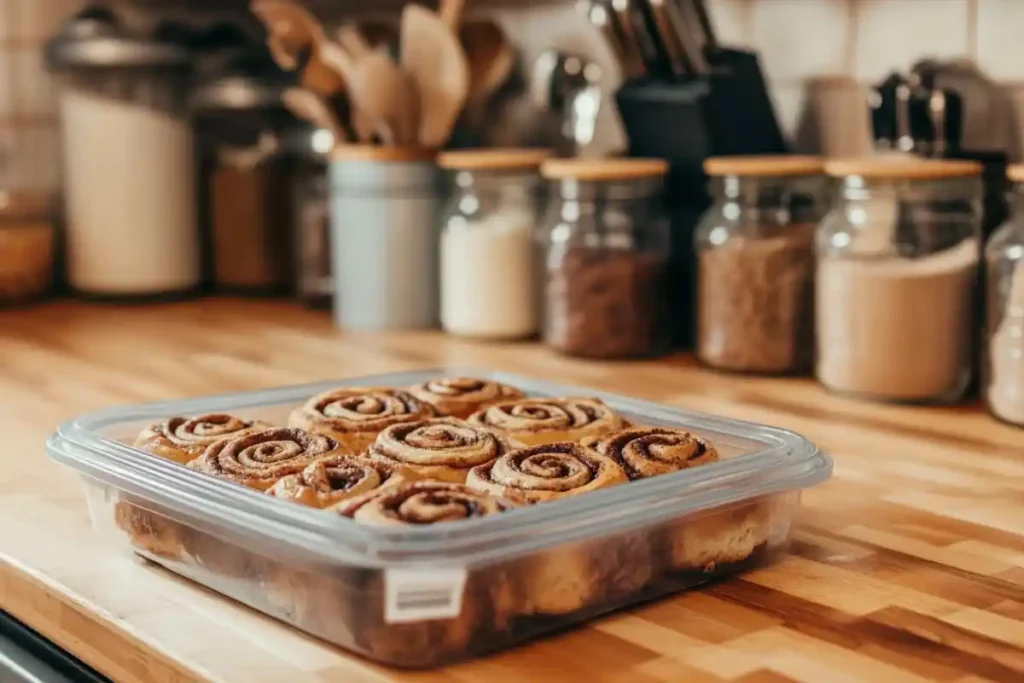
436	63
294	37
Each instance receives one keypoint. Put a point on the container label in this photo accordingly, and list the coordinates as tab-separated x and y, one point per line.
422	594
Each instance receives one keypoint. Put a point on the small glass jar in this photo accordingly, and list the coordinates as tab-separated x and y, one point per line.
755	251
310	192
605	244
1004	352
487	269
27	247
898	262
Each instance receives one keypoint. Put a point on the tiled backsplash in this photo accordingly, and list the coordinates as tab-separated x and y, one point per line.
817	53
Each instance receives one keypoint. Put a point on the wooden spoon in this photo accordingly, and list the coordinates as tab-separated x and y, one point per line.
436	63
294	38
310	106
451	13
383	90
368	121
491	61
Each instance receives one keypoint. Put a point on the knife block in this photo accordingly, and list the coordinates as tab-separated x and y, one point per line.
728	113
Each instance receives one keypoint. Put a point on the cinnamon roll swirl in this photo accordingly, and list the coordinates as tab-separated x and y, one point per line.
444	449
422	502
649	451
354	416
183	439
535	421
462	396
259	459
332	480
548	472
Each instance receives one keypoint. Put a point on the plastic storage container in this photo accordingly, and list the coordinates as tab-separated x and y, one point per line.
487	252
1004	260
896	282
755	249
605	246
419	597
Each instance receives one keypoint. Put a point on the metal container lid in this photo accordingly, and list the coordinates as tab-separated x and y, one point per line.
95	38
239	92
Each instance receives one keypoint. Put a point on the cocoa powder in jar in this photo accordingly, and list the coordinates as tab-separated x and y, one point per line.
756	302
606	303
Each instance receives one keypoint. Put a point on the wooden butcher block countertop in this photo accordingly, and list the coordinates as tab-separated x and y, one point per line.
908	564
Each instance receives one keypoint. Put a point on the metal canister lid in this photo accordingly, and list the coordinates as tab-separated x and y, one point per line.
238	92
95	38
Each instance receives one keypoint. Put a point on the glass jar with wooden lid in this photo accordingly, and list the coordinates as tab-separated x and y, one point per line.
605	245
897	270
27	246
1004	348
755	251
487	254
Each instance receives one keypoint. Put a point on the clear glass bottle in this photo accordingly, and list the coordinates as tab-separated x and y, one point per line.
605	249
755	258
487	268
1004	349
898	263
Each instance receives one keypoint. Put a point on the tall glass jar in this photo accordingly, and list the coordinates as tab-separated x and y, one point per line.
487	269
129	164
605	244
755	248
1004	259
898	261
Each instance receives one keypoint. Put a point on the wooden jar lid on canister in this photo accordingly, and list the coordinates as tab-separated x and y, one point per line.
500	159
776	165
902	168
604	169
381	153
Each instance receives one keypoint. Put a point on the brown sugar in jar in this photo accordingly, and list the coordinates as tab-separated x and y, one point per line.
605	250
756	264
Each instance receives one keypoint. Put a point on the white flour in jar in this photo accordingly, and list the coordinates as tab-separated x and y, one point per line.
897	329
487	272
131	210
1006	356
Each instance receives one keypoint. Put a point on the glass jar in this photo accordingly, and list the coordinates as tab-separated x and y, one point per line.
129	166
755	259
310	192
487	270
240	122
898	262
605	244
1004	352
27	246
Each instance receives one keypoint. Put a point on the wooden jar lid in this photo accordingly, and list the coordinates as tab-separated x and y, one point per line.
1015	173
902	168
383	153
604	169
493	159
766	165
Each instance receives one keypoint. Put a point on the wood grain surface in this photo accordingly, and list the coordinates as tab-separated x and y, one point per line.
908	565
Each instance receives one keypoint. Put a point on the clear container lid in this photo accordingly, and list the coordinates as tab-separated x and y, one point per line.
757	460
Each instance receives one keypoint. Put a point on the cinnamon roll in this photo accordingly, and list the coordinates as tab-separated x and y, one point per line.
332	480
148	531
422	502
183	439
535	421
444	449
487	597
354	416
462	396
548	472
649	451
259	459
724	536
704	541
566	579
